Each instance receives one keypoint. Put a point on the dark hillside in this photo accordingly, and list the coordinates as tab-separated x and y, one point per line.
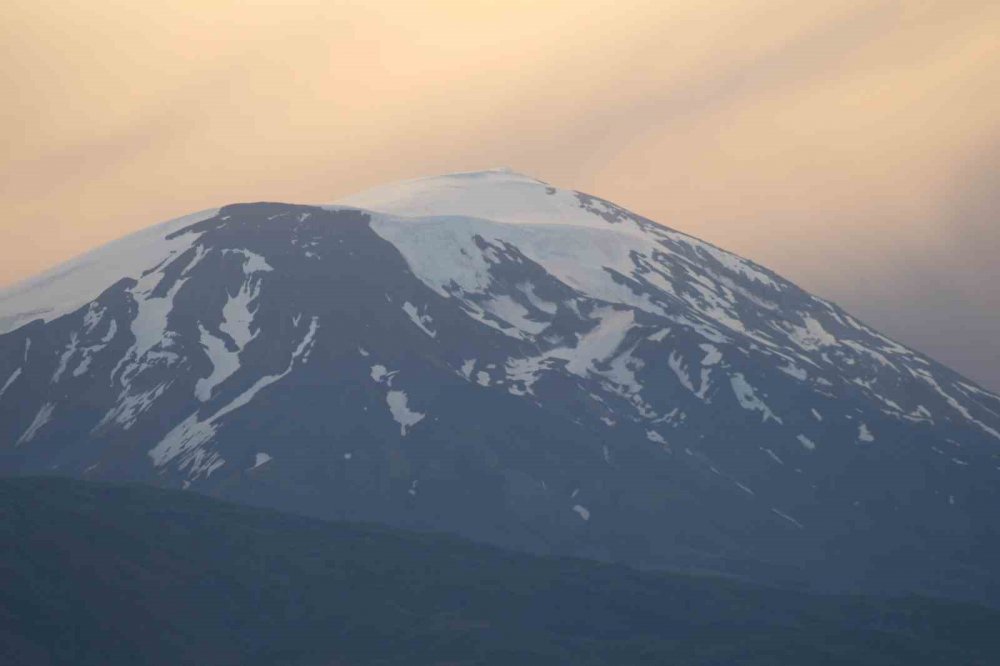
105	574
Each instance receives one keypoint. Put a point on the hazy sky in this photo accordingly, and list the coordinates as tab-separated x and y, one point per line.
853	146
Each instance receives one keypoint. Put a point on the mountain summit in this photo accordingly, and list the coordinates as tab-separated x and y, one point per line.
485	354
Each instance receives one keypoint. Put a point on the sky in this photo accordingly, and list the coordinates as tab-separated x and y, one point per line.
852	146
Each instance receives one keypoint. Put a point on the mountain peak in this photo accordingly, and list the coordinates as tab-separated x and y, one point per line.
498	194
484	193
485	354
506	170
492	172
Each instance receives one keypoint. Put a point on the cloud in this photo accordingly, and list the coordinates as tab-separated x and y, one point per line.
849	144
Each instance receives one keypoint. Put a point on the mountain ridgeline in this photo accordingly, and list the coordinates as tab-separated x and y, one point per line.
486	355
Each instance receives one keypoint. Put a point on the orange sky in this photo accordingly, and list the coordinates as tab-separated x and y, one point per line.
850	145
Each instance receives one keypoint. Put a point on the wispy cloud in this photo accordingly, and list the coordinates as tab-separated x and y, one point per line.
850	144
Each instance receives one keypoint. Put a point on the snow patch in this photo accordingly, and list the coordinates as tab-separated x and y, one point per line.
66	356
512	312
130	406
788	518
423	321
69	286
955	404
93	317
112	331
224	364
861	349
795	371
806	442
594	346
676	363
599	343
43	416
864	434
712	355
654	436
812	336
772	455
10	380
252	262
186	441
920	413
401	413
149	326
237	320
660	335
380	373
447	254
237	315
302	351
729	260
748	399
536	301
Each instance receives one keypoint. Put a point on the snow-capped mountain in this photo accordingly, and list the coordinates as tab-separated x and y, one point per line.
485	354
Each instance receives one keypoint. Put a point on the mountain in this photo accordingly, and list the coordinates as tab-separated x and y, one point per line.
487	355
103	574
